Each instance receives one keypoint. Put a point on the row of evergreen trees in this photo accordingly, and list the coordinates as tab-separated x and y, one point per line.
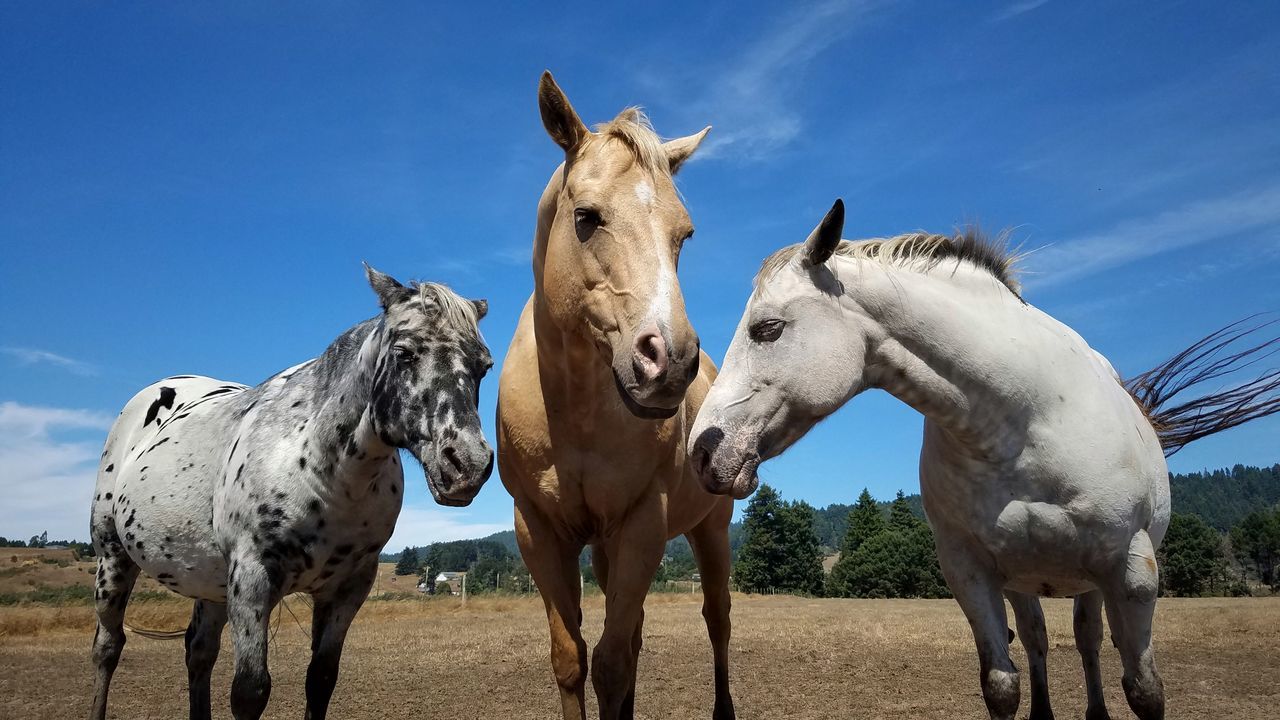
1196	559
891	554
882	555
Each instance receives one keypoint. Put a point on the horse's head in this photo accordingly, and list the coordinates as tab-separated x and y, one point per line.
426	384
792	362
611	228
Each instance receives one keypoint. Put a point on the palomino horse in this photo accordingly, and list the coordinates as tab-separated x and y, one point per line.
237	496
602	381
1040	473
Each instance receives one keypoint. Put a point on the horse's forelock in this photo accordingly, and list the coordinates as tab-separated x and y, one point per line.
632	128
458	313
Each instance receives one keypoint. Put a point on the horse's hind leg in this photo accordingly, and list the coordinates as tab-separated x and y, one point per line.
1088	627
710	543
1130	604
330	619
203	640
113	584
1035	640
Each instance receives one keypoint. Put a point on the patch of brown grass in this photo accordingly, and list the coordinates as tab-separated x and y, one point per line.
791	657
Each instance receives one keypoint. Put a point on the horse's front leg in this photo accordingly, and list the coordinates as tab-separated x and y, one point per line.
634	551
1035	640
254	591
330	619
977	589
710	543
553	564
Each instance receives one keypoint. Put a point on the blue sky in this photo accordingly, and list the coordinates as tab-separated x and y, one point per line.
191	191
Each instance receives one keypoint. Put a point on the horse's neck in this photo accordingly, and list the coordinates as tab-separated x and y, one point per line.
939	351
340	432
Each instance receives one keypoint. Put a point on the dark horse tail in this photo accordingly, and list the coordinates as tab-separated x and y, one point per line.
1217	355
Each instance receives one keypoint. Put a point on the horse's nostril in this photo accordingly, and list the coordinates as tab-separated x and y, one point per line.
701	460
455	462
650	355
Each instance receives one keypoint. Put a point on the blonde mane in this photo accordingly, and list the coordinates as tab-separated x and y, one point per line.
990	254
632	128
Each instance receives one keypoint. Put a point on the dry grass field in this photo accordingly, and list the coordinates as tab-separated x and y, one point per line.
792	658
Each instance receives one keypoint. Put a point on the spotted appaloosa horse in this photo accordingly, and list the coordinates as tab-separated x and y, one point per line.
236	496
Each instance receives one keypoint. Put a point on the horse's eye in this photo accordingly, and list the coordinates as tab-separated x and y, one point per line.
767	330
402	353
585	222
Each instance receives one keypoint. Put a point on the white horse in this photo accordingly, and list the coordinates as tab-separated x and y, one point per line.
237	496
1040	473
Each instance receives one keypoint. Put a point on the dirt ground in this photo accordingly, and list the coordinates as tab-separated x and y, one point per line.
791	658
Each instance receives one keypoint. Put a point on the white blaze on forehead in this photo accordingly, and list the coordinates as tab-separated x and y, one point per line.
644	192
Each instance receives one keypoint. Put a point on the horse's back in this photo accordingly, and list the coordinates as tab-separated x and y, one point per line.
157	476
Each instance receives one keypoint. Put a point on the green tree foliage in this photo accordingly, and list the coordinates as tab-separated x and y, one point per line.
803	568
495	571
882	559
779	551
1191	557
865	522
408	564
1256	543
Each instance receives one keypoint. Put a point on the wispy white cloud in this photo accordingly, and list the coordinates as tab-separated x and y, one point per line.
47	479
35	356
420	526
749	100
1015	9
1137	239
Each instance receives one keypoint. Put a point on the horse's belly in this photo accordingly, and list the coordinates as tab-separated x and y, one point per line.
174	543
1042	549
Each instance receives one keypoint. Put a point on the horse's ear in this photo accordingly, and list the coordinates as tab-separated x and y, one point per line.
824	238
482	308
389	291
558	116
681	149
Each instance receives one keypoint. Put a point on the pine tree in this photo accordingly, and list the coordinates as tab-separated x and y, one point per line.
900	516
408	564
763	549
1256	542
803	570
1191	555
865	521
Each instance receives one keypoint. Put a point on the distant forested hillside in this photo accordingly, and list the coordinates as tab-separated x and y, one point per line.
1223	497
